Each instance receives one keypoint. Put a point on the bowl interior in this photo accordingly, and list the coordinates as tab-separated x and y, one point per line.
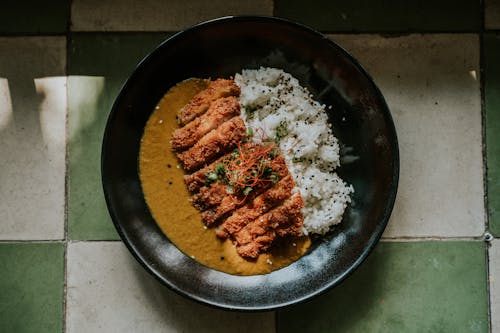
361	121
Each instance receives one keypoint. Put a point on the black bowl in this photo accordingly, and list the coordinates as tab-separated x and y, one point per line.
361	120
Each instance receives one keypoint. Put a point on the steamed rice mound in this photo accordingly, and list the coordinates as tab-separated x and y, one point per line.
274	103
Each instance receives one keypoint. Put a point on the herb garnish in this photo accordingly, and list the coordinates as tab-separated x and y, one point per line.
281	131
248	166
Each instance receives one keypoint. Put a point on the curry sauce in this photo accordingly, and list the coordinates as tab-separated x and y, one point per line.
169	199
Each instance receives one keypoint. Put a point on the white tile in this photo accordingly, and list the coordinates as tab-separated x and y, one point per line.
108	291
494	279
492	14
153	15
32	137
431	84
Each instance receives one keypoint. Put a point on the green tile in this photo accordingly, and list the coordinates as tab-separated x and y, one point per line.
492	102
385	15
98	64
431	286
33	16
31	287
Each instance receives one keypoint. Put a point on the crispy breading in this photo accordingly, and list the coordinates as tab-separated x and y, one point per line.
256	207
214	144
219	111
209	196
233	201
212	129
198	179
258	235
201	101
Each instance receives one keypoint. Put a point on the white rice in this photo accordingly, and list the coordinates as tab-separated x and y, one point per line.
270	97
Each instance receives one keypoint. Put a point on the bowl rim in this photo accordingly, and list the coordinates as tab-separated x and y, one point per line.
380	227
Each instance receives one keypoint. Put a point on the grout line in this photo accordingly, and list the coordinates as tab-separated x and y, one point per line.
388	33
66	175
483	129
132	32
353	32
69	23
40	241
32	34
483	146
74	241
398	32
60	240
325	32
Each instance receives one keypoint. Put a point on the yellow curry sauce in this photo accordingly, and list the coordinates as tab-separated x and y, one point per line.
168	198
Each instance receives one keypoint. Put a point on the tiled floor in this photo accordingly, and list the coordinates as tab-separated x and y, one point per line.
385	16
404	287
434	98
154	15
492	101
97	67
63	266
32	136
494	280
97	303
31	284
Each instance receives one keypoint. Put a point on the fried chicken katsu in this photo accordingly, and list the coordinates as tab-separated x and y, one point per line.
233	201
258	235
256	207
241	187
219	111
213	144
202	101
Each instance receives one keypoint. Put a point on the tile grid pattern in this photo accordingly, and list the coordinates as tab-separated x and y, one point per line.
75	246
66	179
487	234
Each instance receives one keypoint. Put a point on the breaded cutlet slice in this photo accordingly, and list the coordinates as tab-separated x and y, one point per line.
258	235
231	202
258	206
220	111
201	101
213	144
198	179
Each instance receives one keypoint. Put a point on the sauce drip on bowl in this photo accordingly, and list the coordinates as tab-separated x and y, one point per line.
168	198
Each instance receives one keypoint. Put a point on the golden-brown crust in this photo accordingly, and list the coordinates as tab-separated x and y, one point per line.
231	202
212	130
209	196
201	101
258	235
198	179
256	207
213	144
219	111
